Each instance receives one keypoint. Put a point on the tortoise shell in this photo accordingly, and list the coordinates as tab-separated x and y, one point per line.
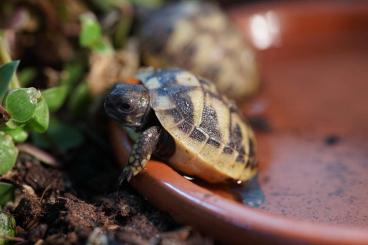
199	37
212	140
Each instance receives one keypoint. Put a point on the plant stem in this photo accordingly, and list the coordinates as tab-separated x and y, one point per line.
5	58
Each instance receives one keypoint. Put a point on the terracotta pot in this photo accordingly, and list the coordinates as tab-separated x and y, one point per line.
314	160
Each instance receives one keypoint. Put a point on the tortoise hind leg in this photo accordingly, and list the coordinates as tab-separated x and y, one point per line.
141	153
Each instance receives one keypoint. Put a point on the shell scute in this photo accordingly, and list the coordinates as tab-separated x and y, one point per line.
207	128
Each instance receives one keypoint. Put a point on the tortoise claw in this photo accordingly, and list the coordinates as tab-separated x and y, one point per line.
126	175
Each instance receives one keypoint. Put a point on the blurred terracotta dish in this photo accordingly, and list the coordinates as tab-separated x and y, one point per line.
313	154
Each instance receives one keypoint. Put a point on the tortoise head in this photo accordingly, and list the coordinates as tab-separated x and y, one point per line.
128	104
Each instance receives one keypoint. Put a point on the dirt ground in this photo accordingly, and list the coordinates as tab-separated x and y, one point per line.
75	206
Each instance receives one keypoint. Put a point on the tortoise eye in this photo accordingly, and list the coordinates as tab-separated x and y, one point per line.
125	106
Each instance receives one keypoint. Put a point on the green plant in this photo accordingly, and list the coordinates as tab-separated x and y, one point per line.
22	110
91	35
7	227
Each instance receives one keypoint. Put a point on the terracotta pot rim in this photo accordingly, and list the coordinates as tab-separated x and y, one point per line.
245	217
163	186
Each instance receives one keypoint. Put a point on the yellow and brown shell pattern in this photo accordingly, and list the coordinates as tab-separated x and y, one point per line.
199	37
203	124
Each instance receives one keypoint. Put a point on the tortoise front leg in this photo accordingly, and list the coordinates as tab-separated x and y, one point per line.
141	153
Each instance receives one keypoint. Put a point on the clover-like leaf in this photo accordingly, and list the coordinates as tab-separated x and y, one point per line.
7	227
6	193
91	30
40	120
72	73
6	73
21	103
8	153
102	46
79	100
91	35
55	96
11	124
26	75
61	134
17	133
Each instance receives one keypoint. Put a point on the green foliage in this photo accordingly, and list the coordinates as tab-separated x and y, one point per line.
62	135
40	120
91	35
72	72
6	73
26	75
66	136
79	100
91	31
8	153
7	228
18	134
58	95
21	103
27	109
6	193
55	96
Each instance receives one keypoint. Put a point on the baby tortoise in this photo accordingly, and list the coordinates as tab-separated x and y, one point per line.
182	119
199	37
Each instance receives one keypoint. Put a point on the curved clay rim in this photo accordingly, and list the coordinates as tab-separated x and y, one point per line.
224	219
227	220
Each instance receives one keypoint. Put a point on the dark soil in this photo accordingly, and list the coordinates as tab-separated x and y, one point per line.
52	208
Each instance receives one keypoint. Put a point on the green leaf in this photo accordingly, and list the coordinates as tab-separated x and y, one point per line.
40	120
91	31
65	136
6	73
18	134
91	35
8	153
40	140
26	75
11	124
79	100
71	73
21	103
102	47
7	227
55	96
6	193
61	134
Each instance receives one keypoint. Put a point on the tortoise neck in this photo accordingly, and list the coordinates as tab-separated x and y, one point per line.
150	119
